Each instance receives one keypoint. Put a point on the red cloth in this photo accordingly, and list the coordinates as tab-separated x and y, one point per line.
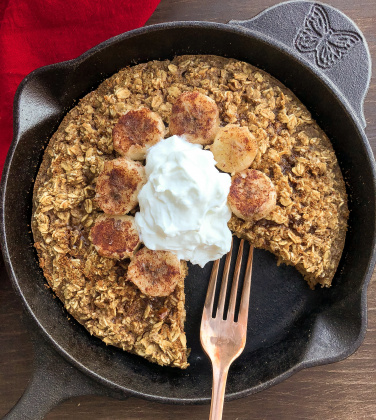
34	33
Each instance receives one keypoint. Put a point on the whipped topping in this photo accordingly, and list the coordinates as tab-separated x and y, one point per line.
183	205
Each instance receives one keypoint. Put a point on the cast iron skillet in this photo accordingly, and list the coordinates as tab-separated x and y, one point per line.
290	326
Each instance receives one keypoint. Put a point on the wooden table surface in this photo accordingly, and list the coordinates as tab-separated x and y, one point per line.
344	390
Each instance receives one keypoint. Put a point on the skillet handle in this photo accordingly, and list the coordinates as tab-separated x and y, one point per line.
323	38
54	380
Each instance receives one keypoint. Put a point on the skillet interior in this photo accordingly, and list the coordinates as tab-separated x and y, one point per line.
290	326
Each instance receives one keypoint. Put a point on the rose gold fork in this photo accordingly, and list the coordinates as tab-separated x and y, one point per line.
224	339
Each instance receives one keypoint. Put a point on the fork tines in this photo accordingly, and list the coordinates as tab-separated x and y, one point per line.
243	309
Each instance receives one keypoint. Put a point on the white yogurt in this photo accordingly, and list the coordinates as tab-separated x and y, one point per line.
183	205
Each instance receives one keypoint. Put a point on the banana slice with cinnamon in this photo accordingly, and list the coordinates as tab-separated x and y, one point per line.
234	148
155	273
115	236
136	131
252	195
118	185
195	116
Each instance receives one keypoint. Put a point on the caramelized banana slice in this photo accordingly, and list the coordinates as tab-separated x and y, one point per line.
115	236
252	195
118	185
234	148
155	273
136	131
195	116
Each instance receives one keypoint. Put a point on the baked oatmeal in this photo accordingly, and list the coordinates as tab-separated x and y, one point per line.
306	229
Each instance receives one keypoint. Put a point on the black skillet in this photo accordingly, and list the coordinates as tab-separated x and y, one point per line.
290	326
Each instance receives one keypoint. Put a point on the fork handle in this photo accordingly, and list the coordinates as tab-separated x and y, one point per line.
218	392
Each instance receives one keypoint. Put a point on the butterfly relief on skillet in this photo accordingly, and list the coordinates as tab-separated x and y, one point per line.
306	229
318	37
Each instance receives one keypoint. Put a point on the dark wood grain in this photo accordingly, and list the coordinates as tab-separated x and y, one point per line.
341	391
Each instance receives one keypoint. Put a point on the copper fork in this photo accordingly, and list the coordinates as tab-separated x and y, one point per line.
224	339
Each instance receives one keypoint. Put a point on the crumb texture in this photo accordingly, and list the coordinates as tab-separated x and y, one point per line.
306	229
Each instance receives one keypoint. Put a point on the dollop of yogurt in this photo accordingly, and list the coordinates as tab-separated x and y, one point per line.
183	205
